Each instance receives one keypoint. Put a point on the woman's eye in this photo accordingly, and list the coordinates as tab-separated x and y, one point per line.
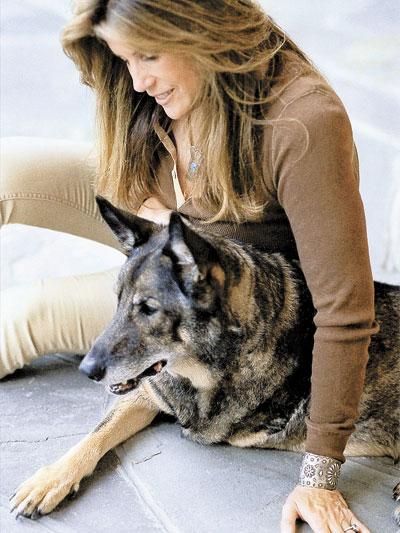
142	58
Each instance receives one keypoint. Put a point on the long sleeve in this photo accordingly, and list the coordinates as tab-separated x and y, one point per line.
316	178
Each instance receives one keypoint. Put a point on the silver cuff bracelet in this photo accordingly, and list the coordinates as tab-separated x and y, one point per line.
319	471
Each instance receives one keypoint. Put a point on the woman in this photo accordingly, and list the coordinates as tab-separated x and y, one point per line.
209	109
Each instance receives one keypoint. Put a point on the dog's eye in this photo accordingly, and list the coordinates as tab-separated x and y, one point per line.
149	307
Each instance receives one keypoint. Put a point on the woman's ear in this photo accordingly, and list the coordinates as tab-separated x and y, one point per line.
131	231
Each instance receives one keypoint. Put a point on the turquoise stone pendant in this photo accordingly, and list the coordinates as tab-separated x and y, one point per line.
196	158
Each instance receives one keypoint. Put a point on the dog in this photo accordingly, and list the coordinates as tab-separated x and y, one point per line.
218	335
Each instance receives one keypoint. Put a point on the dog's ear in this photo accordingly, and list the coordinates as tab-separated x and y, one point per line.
197	260
130	230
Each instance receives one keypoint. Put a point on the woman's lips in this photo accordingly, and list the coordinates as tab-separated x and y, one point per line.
164	97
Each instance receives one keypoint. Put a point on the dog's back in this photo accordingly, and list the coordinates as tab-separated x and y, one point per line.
377	431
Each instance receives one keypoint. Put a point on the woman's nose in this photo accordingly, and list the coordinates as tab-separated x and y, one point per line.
141	79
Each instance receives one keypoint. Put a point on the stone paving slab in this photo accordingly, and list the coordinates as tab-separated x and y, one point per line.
27	255
226	489
105	502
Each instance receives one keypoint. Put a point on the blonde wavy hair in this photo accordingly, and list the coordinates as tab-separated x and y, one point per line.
240	53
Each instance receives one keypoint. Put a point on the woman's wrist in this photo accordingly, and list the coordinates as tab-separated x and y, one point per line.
319	471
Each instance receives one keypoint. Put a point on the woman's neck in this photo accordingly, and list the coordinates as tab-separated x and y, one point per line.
179	128
182	131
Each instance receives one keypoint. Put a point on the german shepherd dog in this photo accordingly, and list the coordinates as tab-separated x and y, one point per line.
220	336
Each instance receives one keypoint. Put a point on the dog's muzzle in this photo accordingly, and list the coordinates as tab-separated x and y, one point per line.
94	364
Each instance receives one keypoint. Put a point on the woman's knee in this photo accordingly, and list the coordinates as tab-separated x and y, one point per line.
42	169
48	183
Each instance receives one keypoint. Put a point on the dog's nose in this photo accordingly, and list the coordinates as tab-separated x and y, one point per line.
93	364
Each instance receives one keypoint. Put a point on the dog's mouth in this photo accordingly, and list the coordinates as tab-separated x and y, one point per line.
130	384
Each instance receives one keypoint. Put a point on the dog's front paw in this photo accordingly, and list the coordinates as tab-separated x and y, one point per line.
42	492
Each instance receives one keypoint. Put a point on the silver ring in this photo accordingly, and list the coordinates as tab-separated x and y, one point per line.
353	527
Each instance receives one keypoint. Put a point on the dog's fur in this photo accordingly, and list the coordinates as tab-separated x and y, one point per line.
220	336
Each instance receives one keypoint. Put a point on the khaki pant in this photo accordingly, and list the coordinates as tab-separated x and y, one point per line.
48	183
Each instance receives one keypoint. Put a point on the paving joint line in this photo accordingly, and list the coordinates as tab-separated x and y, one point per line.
16	441
148	503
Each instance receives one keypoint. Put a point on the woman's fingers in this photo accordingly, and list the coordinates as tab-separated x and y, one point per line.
325	511
349	519
290	513
289	517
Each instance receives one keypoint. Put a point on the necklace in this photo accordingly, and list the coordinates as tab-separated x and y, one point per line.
196	157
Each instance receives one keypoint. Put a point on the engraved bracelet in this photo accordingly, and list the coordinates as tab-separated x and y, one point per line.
319	471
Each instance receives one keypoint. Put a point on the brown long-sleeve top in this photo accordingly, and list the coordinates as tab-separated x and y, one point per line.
315	213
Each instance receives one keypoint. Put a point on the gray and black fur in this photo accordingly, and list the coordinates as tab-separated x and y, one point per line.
234	329
219	335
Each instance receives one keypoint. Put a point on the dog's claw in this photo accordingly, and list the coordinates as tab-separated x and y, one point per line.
35	514
72	495
13	507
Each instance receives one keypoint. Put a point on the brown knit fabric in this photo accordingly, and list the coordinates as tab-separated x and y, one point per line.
315	213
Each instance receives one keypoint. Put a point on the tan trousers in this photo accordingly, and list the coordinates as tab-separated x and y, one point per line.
48	183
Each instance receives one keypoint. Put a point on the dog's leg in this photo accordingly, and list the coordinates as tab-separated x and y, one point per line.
41	493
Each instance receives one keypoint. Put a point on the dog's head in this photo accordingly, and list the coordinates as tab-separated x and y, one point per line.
174	314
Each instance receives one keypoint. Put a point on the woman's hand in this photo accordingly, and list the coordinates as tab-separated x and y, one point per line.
324	510
152	209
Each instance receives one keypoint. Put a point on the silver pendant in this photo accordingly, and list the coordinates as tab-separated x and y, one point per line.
196	157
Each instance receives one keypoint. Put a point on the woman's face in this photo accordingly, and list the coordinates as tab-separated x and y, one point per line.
170	79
